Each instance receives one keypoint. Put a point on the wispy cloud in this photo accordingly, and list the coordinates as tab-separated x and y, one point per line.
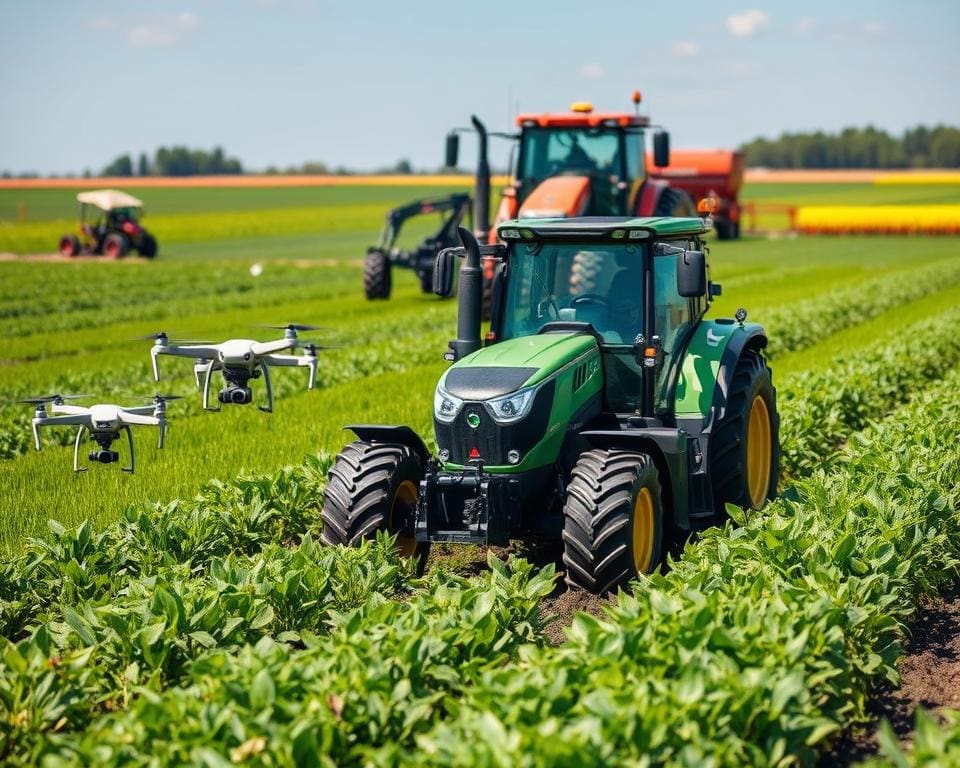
163	31
592	71
804	25
685	48
875	28
748	23
145	36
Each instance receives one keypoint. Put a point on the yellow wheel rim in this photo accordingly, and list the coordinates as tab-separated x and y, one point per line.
643	531
404	502
758	453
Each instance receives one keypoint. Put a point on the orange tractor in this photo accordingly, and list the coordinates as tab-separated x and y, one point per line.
576	163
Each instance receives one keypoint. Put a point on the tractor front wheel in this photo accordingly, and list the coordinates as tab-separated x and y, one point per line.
373	487
745	448
148	247
376	275
69	246
426	281
613	520
674	202
115	245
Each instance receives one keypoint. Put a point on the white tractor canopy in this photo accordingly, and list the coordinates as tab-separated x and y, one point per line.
108	199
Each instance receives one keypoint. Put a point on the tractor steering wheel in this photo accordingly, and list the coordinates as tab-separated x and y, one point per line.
592	298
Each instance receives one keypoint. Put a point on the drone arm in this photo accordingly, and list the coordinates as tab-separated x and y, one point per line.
261	348
68	410
131	417
268	386
209	353
296	361
141	409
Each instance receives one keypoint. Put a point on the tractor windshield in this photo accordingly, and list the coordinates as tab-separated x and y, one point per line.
599	284
547	152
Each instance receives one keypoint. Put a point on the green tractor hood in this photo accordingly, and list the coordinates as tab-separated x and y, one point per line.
532	358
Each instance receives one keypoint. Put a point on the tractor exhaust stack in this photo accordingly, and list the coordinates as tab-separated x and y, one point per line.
471	298
481	203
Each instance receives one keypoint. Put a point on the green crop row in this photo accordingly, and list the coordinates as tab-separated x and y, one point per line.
932	747
802	324
820	409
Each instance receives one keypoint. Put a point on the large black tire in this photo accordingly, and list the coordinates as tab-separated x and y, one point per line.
674	202
612	520
372	487
724	229
426	281
148	246
745	446
115	245
376	275
69	246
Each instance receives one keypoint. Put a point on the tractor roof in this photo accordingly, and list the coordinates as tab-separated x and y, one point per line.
603	227
582	120
108	199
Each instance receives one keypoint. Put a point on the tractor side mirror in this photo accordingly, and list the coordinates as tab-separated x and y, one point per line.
452	150
691	274
443	270
661	149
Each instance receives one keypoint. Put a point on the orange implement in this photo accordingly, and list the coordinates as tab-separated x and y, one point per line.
557	196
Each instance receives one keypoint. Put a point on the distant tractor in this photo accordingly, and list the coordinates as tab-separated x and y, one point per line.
109	226
716	174
601	417
580	163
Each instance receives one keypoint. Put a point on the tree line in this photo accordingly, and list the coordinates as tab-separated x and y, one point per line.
175	161
920	147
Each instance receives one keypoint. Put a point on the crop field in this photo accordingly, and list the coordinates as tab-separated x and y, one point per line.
188	615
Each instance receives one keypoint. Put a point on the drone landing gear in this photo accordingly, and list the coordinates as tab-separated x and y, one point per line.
268	408
105	455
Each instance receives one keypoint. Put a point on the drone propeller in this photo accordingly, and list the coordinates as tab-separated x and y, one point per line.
295	327
156	337
157	397
43	399
312	348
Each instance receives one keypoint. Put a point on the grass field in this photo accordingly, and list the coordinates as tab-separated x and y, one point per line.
862	333
67	327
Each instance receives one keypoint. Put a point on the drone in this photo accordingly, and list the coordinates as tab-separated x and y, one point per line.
103	422
239	361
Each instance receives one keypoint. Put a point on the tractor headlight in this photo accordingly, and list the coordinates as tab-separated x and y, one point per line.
445	406
513	407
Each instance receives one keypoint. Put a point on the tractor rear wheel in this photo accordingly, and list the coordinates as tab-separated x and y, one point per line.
674	202
612	519
69	246
745	447
115	245
148	246
373	487
376	275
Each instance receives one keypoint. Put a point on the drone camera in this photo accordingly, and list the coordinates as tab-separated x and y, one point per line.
104	456
236	395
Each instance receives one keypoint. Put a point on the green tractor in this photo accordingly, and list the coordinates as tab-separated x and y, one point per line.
605	415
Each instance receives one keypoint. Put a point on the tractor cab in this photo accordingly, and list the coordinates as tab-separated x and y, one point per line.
638	286
579	164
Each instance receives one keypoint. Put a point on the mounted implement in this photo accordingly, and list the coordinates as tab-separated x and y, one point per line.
601	417
109	226
377	266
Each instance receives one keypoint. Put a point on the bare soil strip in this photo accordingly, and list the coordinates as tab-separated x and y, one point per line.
930	678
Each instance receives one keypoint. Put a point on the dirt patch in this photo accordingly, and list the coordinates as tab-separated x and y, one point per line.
558	610
930	678
59	258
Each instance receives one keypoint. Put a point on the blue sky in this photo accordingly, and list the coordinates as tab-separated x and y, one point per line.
365	83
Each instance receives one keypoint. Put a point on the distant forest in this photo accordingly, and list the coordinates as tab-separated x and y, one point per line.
919	147
175	161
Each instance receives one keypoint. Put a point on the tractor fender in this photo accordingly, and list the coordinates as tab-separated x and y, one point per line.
707	368
394	435
668	448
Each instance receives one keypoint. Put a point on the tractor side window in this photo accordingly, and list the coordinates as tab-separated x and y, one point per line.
672	315
636	162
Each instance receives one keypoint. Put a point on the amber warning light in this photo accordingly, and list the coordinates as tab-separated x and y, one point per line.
707	206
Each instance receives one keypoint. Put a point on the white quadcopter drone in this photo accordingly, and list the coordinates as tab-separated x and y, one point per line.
103	422
240	360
